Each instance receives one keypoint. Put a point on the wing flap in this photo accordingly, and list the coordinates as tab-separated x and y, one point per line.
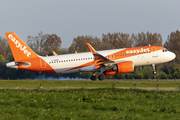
99	59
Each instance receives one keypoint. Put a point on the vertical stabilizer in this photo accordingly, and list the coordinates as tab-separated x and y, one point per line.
19	49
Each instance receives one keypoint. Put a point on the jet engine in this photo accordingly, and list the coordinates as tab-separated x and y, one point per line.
122	67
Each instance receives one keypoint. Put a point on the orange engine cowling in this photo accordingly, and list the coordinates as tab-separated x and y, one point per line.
122	67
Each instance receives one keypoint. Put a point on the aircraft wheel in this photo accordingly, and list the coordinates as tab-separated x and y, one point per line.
154	72
101	77
93	78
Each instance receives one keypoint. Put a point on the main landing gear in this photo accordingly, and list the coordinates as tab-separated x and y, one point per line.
93	78
154	71
101	77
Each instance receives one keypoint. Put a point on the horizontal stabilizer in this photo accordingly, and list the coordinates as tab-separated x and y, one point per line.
24	64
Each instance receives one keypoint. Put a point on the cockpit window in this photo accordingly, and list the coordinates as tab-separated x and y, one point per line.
164	50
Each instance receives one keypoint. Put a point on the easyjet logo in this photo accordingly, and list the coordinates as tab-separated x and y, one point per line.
138	50
19	45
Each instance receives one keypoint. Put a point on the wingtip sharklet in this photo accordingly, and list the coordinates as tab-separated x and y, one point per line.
91	48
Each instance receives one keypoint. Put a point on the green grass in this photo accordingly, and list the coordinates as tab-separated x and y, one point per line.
82	84
76	104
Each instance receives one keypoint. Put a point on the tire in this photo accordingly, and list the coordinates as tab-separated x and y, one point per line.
154	72
101	77
93	78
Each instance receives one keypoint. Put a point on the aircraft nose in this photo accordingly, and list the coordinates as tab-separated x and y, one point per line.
172	56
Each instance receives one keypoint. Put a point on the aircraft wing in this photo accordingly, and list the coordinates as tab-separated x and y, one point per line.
100	59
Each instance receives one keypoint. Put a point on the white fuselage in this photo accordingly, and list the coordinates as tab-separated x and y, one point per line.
62	63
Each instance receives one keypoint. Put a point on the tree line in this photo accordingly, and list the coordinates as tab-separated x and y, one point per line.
43	44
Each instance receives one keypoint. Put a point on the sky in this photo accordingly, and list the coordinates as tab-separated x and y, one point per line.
72	18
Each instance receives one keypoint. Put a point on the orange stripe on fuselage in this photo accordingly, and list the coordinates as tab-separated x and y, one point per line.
37	65
129	52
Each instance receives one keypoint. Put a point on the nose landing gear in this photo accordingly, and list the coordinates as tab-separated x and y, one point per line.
154	71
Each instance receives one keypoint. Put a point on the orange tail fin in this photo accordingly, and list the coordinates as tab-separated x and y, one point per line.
19	49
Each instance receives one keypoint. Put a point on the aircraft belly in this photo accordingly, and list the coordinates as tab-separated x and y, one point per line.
63	70
68	68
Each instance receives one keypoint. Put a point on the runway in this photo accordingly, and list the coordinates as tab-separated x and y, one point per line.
63	88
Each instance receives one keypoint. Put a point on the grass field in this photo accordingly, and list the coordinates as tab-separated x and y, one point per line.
102	102
82	84
77	104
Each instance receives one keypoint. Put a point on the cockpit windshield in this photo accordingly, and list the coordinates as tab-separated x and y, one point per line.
164	50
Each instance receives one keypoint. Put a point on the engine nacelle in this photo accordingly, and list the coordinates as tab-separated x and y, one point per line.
122	67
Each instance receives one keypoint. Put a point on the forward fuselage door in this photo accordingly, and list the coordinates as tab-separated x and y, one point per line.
154	52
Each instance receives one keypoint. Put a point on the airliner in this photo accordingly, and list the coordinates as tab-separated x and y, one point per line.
107	62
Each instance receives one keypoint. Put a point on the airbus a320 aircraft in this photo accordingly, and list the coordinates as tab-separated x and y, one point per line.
107	62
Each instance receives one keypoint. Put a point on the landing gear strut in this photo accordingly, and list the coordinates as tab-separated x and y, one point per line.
101	77
154	71
93	77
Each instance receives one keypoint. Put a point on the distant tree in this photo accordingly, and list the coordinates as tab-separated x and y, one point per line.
80	45
142	39
63	51
173	44
5	49
43	44
118	40
71	49
2	53
53	42
36	43
2	58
